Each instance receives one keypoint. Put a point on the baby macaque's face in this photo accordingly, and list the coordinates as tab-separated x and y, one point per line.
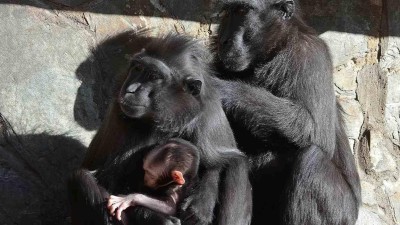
162	167
152	175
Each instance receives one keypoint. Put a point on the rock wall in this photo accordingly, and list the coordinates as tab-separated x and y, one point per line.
55	85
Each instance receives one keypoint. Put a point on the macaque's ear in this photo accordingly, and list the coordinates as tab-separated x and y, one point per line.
287	7
177	176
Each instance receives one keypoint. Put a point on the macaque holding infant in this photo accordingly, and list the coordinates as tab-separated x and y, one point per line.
169	174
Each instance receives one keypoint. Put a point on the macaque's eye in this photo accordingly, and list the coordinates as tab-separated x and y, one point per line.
154	76
138	68
242	10
223	13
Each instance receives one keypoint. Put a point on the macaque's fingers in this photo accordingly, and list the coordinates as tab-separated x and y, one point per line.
121	208
114	207
110	201
113	203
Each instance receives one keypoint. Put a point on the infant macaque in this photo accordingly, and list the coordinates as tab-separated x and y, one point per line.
169	170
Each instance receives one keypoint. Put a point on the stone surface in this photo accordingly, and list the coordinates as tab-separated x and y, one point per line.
381	158
369	217
345	46
392	116
395	203
39	87
353	117
391	66
393	96
393	191
345	80
368	193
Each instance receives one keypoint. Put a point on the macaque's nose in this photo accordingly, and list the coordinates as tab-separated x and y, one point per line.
227	42
133	88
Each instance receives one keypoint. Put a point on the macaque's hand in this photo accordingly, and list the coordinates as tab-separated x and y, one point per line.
117	204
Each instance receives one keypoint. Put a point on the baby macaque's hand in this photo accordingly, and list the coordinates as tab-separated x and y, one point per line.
117	204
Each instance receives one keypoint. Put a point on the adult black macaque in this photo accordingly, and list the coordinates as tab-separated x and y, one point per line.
166	94
281	105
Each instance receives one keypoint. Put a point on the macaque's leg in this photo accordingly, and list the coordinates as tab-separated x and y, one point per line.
87	199
143	215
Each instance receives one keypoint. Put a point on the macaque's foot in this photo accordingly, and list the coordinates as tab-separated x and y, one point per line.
117	204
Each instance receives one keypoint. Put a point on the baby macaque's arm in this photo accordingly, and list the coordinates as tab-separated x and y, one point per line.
117	204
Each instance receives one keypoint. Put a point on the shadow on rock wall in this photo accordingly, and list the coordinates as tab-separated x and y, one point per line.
33	173
34	167
355	16
100	72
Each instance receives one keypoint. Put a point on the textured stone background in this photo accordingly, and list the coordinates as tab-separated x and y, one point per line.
55	85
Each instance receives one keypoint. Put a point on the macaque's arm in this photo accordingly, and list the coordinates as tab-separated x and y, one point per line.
117	204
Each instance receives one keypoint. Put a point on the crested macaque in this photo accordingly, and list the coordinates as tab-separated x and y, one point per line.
169	172
167	92
279	99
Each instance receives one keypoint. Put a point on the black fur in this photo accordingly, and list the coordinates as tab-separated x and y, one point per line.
281	105
170	80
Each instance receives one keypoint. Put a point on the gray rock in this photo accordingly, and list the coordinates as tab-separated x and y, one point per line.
368	193
345	46
41	53
345	80
393	191
380	149
392	117
353	117
393	93
369	217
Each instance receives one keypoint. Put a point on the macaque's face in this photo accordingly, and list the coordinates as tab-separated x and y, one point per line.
152	175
